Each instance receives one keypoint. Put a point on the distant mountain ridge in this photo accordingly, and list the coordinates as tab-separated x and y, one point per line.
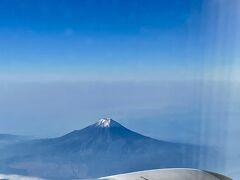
8	139
101	149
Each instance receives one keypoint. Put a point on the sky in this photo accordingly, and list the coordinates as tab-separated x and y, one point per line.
75	51
54	48
156	66
99	40
109	40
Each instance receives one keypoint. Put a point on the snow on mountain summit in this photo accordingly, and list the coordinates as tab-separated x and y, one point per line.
107	123
104	122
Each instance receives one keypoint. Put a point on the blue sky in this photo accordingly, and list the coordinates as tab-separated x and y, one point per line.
109	41
75	43
100	39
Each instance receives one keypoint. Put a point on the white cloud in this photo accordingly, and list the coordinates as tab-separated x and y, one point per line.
18	177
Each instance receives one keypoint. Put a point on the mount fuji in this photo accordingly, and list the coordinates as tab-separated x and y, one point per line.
101	149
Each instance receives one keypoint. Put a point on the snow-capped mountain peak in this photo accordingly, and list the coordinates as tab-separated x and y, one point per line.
104	122
104	142
107	123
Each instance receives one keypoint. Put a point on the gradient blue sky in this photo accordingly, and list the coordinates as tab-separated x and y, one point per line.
101	40
109	41
113	39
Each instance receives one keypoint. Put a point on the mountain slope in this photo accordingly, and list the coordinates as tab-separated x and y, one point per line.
101	149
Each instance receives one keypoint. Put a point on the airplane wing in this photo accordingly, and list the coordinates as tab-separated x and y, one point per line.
169	174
